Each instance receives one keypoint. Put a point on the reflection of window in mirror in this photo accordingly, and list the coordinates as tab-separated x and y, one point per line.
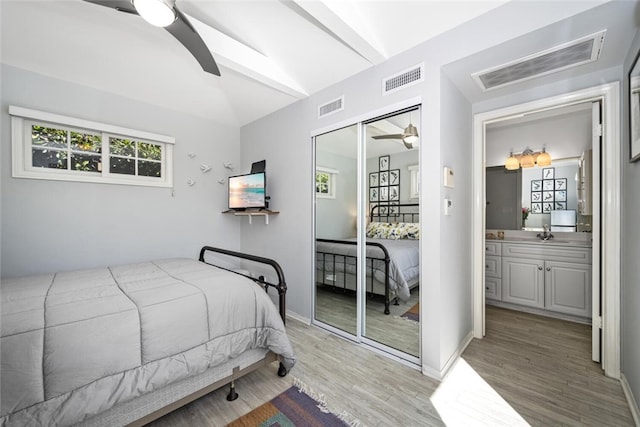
414	172
325	182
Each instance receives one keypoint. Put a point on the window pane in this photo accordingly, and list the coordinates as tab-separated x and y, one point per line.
48	137
122	147
149	168
149	151
49	159
86	142
123	166
88	163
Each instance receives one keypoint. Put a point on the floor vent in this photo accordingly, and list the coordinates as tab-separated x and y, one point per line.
331	107
403	79
568	55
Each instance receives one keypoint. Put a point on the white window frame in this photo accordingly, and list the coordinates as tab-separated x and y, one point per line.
414	188
332	183
22	163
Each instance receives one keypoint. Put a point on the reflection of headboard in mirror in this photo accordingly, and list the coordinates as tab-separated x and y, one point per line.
634	110
407	212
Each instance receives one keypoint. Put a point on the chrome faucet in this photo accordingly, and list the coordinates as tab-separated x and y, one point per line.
546	233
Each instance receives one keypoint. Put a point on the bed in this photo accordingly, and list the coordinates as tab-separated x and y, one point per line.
392	265
127	344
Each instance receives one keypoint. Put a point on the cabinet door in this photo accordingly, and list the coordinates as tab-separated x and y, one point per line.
492	266
568	288
492	288
523	281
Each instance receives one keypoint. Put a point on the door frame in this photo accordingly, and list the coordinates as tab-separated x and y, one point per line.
360	121
609	94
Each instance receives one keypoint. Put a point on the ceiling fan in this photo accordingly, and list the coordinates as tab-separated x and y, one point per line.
409	136
164	13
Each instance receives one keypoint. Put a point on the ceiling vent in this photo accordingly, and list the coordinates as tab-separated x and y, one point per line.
568	55
331	107
403	79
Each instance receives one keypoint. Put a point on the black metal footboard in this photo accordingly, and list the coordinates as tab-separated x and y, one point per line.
281	286
333	259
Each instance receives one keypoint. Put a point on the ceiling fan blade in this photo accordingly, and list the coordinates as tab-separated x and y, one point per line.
119	5
394	136
182	30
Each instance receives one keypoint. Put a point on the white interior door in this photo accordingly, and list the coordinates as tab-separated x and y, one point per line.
596	306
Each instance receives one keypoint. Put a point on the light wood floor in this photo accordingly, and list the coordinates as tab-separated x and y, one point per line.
338	309
528	370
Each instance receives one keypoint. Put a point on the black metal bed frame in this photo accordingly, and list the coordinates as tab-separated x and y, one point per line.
398	216
281	286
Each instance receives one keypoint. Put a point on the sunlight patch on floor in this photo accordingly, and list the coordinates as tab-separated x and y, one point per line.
465	399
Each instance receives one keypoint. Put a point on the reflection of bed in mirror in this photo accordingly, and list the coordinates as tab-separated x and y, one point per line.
392	266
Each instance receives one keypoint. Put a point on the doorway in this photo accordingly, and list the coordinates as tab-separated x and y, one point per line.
366	255
606	240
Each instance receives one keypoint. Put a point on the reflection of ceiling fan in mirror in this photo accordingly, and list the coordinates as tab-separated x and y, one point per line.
409	136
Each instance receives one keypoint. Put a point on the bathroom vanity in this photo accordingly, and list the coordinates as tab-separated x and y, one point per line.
551	277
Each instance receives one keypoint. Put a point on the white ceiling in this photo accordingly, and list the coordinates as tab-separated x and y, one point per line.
271	52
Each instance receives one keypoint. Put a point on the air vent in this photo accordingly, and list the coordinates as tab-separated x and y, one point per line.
331	107
568	55
403	79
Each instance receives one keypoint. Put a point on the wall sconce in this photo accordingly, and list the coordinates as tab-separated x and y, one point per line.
527	159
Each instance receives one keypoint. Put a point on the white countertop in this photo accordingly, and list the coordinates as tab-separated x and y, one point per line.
583	240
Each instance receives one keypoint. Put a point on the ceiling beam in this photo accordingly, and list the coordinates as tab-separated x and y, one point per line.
344	21
234	55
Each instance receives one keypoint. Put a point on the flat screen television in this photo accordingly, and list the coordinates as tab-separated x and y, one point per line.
247	191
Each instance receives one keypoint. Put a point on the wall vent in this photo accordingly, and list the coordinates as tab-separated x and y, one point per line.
331	107
403	79
568	55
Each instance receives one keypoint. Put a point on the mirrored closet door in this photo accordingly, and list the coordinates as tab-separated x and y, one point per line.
367	232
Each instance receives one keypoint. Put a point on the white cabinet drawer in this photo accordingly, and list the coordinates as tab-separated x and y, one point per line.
492	248
492	266
546	251
492	288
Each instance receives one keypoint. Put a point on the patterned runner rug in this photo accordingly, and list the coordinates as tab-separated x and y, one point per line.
295	407
413	313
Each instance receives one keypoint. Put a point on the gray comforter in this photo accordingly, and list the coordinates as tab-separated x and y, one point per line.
75	344
404	265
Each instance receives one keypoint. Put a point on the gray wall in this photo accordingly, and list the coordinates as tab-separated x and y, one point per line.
630	275
55	225
336	218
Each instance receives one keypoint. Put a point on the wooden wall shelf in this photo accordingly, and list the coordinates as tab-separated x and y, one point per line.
251	213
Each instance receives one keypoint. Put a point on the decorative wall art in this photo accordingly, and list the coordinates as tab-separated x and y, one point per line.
548	193
384	187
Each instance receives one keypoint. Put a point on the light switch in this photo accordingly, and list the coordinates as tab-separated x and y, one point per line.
448	206
448	177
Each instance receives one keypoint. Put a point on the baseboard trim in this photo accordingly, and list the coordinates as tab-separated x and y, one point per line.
442	373
298	317
631	400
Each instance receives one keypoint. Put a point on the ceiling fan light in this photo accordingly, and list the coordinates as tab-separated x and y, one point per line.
410	134
511	163
156	12
544	159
